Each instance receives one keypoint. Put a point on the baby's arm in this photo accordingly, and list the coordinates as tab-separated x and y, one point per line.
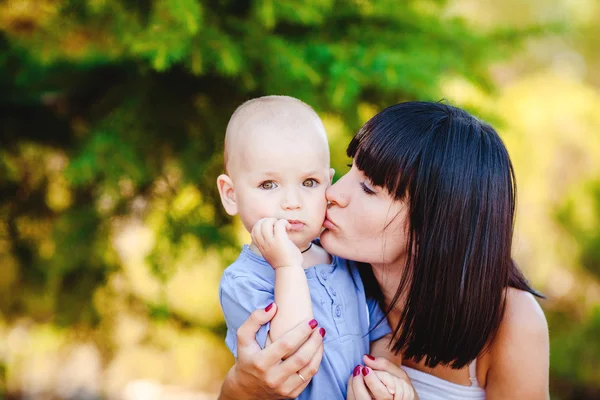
382	348
292	295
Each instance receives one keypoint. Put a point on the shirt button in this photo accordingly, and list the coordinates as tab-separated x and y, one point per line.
324	275
332	290
338	311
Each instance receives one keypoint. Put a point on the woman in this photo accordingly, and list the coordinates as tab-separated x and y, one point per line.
428	208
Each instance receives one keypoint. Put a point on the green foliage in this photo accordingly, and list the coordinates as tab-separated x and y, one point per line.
575	349
574	352
579	216
114	112
110	108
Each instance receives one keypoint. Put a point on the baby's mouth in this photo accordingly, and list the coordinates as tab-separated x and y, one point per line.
295	225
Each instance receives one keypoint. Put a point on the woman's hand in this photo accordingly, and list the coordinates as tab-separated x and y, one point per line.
278	370
380	380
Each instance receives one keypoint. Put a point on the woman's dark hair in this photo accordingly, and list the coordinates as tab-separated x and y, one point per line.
456	176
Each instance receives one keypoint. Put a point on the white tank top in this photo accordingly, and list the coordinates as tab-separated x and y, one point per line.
430	387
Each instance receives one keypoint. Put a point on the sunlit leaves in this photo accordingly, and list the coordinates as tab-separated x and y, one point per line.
114	114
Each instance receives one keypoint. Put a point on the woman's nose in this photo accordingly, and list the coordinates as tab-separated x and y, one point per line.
335	195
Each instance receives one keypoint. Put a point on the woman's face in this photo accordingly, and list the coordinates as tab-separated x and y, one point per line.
364	223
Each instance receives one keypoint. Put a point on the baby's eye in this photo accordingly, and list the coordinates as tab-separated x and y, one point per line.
268	185
310	183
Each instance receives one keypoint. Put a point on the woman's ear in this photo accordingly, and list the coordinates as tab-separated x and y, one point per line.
227	193
331	174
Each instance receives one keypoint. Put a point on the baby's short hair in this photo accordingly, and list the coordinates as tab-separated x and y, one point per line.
272	109
267	102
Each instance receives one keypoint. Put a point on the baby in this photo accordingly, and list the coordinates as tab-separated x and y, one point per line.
277	171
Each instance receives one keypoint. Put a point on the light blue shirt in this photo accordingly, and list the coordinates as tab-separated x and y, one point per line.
339	305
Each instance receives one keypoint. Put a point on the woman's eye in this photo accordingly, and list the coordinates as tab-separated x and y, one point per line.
268	185
366	189
310	183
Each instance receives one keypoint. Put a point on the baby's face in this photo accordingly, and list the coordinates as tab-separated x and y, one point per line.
284	176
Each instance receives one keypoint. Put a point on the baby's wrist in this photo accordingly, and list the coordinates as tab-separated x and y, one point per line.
288	266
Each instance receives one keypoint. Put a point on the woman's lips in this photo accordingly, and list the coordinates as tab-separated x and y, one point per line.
327	224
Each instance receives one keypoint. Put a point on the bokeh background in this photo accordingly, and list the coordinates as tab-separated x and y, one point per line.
112	117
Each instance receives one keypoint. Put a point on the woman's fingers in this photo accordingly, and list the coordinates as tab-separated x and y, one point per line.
313	366
305	361
349	390
358	385
403	386
376	387
266	365
309	371
301	358
383	364
291	344
246	334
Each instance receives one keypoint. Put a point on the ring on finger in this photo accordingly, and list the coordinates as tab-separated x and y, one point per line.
301	377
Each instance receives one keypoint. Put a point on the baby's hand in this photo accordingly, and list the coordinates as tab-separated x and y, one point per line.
271	238
380	379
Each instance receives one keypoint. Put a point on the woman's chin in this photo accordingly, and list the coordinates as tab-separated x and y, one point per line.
343	249
328	242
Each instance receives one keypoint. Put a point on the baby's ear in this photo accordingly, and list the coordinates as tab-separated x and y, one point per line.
331	174
227	193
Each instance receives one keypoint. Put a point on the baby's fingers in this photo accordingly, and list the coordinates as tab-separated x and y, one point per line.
404	390
267	229
378	390
256	234
280	229
387	380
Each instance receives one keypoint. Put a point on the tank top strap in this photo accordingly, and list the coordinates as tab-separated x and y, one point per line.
473	373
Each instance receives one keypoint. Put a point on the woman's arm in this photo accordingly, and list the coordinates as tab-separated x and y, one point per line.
519	355
272	373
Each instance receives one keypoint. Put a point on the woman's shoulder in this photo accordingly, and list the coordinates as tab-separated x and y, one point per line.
523	322
522	312
517	363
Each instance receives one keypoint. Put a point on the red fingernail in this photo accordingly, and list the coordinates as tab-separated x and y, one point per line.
370	357
267	308
313	323
322	332
365	371
356	370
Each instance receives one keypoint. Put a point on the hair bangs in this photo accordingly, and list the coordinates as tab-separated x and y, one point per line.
378	154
